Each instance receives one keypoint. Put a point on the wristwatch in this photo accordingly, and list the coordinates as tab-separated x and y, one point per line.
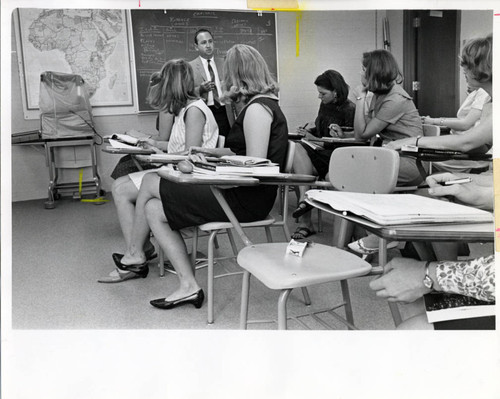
428	283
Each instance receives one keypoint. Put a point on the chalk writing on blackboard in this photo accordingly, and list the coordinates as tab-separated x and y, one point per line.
162	35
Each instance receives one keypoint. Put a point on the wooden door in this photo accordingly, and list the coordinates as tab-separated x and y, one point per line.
431	65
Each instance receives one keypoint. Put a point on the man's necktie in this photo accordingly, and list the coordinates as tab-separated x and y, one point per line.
215	92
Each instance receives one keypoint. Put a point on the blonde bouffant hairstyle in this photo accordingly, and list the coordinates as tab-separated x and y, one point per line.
246	74
172	87
476	57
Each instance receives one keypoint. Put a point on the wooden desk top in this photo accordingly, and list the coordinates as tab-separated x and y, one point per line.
125	151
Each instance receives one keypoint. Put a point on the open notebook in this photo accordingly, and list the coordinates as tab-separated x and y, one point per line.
397	209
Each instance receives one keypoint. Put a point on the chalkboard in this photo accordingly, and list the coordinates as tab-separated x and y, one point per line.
160	35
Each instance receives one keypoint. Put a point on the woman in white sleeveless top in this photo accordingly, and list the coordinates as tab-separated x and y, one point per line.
186	120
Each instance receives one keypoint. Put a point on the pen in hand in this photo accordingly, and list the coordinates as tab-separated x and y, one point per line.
463	180
457	181
302	129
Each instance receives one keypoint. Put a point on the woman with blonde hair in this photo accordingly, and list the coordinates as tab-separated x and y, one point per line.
260	130
476	63
185	121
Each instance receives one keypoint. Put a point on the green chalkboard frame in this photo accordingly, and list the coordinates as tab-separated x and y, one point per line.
160	35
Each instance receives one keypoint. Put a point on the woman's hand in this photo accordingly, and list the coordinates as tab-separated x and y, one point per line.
427	120
310	136
197	157
149	144
148	141
402	281
397	144
303	130
336	131
478	193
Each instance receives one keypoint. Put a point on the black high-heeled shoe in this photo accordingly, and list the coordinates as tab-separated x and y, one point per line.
141	269
195	299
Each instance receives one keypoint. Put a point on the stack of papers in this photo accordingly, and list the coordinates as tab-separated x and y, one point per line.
238	165
243	160
215	169
167	158
398	209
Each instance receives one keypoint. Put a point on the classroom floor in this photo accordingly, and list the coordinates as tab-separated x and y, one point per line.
58	255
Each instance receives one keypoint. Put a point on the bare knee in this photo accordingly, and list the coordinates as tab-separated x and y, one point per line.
154	210
150	182
302	163
124	189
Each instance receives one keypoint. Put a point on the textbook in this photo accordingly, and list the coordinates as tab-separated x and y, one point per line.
243	160
415	149
446	306
399	209
315	147
441	154
227	168
166	158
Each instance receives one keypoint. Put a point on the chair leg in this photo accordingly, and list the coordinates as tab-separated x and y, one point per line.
286	231
283	298
342	232
305	294
268	234
284	214
232	242
347	300
161	261
245	293
194	249
320	222
396	315
210	282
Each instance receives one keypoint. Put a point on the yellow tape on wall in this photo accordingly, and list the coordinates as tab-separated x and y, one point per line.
274	5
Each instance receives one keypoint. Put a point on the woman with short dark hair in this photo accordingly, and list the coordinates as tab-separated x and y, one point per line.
335	113
389	114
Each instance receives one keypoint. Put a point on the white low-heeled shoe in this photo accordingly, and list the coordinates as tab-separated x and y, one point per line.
360	248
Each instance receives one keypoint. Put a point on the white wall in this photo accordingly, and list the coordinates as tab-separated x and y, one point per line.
327	40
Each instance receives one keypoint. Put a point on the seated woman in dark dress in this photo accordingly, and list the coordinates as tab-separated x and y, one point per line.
166	207
335	113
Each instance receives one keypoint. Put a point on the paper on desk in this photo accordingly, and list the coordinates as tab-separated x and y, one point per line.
118	144
397	209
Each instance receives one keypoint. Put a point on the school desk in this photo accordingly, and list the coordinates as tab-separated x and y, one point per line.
466	232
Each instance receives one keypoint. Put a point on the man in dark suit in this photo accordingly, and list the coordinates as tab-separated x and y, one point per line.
207	77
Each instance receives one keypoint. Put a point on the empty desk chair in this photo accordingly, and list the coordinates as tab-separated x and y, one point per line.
357	169
277	270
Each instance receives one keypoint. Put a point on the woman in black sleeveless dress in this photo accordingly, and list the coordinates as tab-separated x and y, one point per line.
165	207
